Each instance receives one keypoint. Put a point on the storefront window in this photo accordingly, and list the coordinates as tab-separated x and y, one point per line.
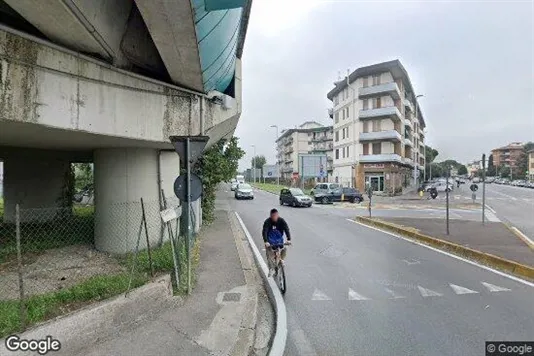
376	181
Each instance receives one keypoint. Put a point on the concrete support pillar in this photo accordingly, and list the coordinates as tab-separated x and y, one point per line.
122	177
36	181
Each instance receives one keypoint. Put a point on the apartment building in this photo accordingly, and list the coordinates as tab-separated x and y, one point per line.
378	129
531	165
508	156
311	138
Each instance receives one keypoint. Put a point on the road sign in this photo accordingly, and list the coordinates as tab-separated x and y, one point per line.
473	187
269	174
180	187
196	144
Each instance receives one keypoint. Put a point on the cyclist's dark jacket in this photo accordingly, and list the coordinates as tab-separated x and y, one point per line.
273	232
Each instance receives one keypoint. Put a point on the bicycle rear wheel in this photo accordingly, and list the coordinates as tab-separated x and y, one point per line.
281	278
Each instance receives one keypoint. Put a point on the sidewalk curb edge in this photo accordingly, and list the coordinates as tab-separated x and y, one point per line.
521	235
512	267
277	301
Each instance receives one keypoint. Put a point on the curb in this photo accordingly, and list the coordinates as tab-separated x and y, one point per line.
521	235
97	322
280	335
503	264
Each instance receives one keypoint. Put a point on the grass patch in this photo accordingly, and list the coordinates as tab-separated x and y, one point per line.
72	229
46	306
275	188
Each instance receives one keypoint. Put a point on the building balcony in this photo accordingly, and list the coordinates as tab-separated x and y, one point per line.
408	123
408	142
380	113
407	161
389	135
331	112
380	90
381	158
408	104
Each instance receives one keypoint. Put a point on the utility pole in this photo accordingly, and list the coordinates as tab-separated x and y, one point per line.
415	175
483	186
424	154
277	162
447	194
254	164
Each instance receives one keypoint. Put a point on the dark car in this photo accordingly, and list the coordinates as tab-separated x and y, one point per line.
349	194
294	197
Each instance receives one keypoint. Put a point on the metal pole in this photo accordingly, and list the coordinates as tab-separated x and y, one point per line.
147	240
416	121
171	237
447	193
20	272
483	187
188	212
424	153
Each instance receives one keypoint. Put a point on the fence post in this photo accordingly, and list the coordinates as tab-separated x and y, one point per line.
20	272
171	238
147	240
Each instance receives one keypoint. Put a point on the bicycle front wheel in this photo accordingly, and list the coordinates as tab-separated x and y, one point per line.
281	278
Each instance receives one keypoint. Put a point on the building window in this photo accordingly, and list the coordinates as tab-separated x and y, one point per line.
337	135
347	134
377	103
343	112
347	112
377	148
377	125
365	82
337	117
365	148
337	153
376	79
366	126
348	151
365	104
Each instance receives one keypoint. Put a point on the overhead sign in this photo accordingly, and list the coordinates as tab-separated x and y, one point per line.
270	171
310	165
373	166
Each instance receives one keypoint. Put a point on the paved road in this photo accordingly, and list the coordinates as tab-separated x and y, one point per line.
353	290
514	205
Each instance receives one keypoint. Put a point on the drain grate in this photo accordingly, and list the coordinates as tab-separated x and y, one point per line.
231	297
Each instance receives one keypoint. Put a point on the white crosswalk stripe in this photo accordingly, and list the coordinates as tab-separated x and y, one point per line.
318	295
461	290
428	292
494	288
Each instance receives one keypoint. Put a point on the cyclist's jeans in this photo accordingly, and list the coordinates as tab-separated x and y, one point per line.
270	256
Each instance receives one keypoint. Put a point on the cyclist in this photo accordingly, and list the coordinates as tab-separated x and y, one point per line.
273	232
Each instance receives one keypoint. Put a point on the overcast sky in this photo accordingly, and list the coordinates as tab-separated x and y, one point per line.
472	61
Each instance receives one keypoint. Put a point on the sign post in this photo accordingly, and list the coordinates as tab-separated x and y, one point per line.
189	149
483	186
447	194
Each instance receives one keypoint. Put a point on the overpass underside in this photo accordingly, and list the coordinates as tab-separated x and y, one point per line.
59	105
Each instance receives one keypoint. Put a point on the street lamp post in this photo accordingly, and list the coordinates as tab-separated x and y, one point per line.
254	164
424	154
277	161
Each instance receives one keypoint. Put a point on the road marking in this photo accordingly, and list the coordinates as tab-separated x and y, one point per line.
494	288
428	293
491	217
318	295
393	294
491	209
461	290
504	195
502	274
411	261
355	296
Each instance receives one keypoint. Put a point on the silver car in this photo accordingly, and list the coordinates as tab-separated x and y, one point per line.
244	191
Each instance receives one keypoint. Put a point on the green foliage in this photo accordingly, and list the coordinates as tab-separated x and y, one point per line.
491	171
258	161
431	154
504	172
462	170
83	175
522	162
218	163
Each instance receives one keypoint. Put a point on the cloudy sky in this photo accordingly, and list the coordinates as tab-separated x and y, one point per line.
472	61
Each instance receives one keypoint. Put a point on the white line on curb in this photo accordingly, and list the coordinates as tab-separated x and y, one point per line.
279	341
491	209
514	278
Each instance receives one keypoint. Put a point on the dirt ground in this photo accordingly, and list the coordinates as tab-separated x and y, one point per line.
55	269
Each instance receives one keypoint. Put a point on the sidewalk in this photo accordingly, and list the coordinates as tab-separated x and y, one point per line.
492	237
218	318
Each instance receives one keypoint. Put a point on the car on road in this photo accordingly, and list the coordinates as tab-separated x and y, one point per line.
325	192
440	187
244	191
295	197
351	195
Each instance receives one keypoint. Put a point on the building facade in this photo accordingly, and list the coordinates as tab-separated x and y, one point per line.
378	129
508	157
531	165
309	138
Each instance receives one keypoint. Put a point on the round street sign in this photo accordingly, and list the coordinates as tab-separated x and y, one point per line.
180	188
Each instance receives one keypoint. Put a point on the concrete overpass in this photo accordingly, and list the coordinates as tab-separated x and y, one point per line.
108	82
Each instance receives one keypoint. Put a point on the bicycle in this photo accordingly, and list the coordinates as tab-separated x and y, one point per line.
279	271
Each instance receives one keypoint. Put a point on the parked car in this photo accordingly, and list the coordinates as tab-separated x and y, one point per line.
244	191
324	192
295	197
234	185
476	180
350	194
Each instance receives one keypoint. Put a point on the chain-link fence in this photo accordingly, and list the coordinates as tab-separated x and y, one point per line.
53	260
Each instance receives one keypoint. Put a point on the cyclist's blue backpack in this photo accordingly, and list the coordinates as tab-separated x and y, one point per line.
275	237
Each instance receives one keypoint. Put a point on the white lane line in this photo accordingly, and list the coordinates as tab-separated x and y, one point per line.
355	296
494	288
393	294
461	290
502	274
428	292
318	295
411	261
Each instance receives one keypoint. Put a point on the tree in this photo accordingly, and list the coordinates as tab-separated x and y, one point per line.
430	156
462	170
258	162
522	161
217	164
491	170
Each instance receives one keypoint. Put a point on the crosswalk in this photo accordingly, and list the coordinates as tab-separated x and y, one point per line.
424	292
